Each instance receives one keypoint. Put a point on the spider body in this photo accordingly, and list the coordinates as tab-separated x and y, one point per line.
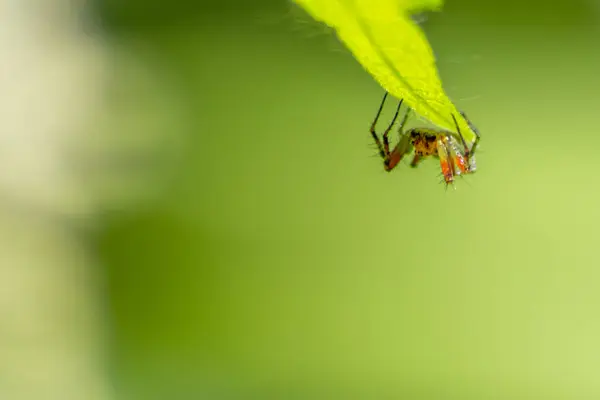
424	141
455	158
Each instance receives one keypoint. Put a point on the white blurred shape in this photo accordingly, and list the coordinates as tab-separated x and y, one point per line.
51	327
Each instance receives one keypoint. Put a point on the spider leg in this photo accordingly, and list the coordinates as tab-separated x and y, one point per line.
462	138
401	127
459	159
403	146
475	131
446	163
415	161
386	143
389	159
471	125
469	154
380	147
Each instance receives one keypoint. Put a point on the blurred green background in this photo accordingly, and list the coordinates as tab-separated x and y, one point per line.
278	260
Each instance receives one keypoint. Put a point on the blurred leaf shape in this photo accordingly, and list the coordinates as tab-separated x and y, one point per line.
394	50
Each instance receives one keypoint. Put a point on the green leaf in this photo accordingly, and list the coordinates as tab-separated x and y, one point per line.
394	50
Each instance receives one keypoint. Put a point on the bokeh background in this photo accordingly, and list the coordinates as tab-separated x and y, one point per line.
245	242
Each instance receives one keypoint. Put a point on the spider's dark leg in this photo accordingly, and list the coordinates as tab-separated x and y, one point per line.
386	142
382	151
402	147
471	151
468	153
475	131
462	139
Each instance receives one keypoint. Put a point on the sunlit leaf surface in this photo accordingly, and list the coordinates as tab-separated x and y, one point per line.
393	49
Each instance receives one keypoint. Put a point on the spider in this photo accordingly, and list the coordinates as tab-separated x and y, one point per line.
442	144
